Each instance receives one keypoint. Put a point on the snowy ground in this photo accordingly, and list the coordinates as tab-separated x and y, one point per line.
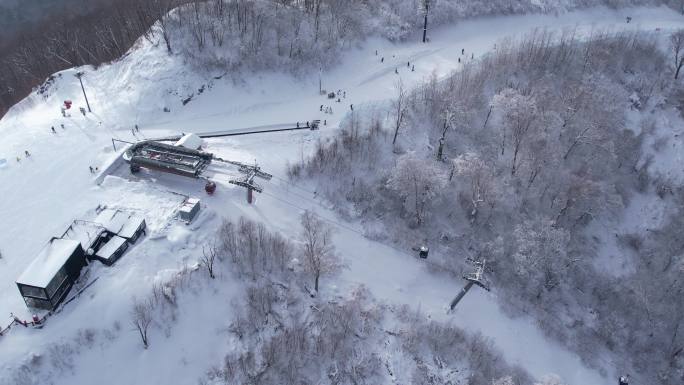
43	193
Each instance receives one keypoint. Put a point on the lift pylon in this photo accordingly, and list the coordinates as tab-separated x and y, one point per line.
474	278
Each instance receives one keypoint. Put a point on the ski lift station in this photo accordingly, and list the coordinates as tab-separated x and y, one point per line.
189	162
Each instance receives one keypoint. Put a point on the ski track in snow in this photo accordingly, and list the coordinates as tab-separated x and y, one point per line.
42	194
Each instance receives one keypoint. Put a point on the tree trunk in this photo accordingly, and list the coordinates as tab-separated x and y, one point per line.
515	159
487	118
396	130
427	6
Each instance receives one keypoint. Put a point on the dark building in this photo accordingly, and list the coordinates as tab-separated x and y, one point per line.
47	280
111	250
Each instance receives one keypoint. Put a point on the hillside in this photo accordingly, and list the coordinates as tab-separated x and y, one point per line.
379	317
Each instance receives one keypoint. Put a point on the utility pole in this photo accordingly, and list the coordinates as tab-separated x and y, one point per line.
426	3
474	278
79	75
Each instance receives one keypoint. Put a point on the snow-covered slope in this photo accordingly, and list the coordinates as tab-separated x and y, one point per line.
43	193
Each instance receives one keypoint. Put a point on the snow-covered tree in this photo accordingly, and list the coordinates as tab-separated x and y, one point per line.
478	176
141	318
508	380
518	112
541	254
550	379
317	247
399	105
417	181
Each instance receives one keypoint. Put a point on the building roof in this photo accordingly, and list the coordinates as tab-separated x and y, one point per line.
84	232
119	222
131	226
111	247
48	262
191	141
189	204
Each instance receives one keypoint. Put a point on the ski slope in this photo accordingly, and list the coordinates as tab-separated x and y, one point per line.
43	193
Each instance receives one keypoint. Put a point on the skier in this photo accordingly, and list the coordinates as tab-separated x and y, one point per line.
133	131
352	107
472	56
339	100
321	109
376	52
408	64
325	122
297	124
28	154
462	51
629	18
63	126
53	130
413	68
307	124
344	94
396	71
382	59
459	60
137	129
92	171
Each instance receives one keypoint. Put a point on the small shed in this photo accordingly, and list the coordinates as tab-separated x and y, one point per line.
189	209
122	223
191	141
47	280
112	250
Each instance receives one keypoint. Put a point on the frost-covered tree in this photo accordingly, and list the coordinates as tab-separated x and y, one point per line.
478	176
399	108
541	254
141	318
518	113
417	181
508	380
317	247
550	379
209	254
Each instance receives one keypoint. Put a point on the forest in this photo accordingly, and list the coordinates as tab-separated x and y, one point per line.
508	161
286	35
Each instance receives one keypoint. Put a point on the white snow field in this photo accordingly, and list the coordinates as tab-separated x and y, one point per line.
40	195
